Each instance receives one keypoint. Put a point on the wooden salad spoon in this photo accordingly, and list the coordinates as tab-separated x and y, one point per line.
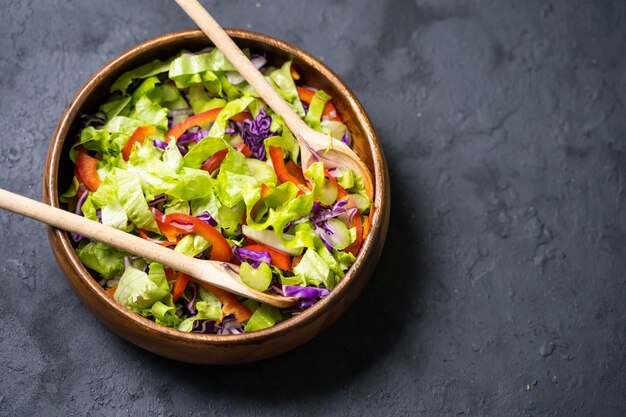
219	274
314	146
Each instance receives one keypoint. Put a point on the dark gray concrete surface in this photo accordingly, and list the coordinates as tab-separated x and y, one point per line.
502	287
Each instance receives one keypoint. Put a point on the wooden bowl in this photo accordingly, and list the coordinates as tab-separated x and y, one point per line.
216	349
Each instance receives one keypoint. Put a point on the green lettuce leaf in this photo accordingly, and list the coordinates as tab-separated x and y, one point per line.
131	198
192	245
152	68
192	184
173	205
209	308
105	260
203	151
150	113
316	107
209	203
70	193
97	140
156	274
230	90
314	270
123	125
200	101
116	106
191	69
283	82
263	317
232	108
148	89
162	314
334	129
137	292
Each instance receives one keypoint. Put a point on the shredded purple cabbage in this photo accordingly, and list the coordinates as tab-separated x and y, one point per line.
161	198
187	227
275	288
188	305
254	133
81	201
97	120
259	61
229	326
252	257
345	138
134	85
323	235
301	305
180	112
79	210
304	292
159	144
204	326
320	214
207	218
191	137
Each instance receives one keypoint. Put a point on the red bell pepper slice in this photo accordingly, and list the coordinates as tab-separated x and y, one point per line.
330	112
139	135
164	243
221	249
230	302
279	259
195	120
367	225
240	117
179	286
244	149
168	231
276	154
358	225
265	190
296	261
201	119
86	171
215	161
295	170
170	274
294	74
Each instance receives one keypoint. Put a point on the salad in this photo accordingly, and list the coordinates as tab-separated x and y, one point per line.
186	155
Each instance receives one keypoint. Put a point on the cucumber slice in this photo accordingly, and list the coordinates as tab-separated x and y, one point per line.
329	193
340	239
269	238
257	278
262	171
362	203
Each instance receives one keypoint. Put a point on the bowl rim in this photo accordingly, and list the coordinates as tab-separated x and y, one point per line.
61	240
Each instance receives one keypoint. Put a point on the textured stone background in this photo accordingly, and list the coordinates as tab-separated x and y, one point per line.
502	287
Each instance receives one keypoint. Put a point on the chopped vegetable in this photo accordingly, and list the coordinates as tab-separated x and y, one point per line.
185	155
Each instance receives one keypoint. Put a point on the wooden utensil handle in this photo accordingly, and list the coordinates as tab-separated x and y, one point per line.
247	70
93	230
209	271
